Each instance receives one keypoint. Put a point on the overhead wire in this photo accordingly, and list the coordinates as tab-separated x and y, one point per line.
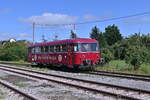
97	21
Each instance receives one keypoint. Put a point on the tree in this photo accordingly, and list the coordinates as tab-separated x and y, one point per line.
112	34
106	54
135	56
73	35
97	35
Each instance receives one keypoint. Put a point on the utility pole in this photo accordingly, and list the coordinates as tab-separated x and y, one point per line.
33	32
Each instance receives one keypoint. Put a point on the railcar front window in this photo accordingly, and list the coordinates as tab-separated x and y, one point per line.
86	47
94	47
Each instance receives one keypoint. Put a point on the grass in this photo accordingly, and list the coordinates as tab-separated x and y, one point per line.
114	66
121	66
18	62
23	62
145	69
2	96
21	84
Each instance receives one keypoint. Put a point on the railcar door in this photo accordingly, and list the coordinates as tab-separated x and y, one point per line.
70	54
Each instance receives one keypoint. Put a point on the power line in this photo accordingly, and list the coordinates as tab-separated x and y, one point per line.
116	18
88	22
97	21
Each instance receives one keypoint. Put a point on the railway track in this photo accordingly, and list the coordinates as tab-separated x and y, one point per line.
117	92
16	90
105	73
121	75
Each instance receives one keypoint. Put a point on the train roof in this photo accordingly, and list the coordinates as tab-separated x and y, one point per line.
74	40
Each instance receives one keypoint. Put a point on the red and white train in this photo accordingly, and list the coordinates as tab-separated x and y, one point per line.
75	53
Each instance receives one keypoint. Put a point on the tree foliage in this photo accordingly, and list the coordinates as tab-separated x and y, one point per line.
73	35
105	39
106	54
97	35
112	34
134	49
14	51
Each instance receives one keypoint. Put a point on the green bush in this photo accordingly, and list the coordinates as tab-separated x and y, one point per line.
13	52
145	68
137	55
135	62
106	54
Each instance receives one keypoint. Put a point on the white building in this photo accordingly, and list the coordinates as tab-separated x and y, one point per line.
12	40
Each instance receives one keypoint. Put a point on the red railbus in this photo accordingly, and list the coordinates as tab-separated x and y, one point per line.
75	53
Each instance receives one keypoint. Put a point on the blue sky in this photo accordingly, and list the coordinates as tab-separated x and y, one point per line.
17	16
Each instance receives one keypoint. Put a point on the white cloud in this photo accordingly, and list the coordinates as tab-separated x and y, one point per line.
50	18
5	36
137	20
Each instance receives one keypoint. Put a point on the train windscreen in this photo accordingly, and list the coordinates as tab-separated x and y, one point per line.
86	47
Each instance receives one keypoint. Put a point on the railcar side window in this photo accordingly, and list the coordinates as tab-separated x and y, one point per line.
33	50
64	48
37	50
42	49
46	49
51	49
57	48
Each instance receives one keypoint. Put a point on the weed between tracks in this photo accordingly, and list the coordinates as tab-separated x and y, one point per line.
2	96
21	85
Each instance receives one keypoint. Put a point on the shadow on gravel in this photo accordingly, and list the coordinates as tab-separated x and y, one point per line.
62	68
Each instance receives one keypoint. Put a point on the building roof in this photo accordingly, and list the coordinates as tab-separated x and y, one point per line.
74	40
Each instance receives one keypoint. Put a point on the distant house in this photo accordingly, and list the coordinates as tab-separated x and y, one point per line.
12	40
4	41
25	42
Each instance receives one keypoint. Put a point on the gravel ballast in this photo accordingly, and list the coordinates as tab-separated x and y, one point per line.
50	90
45	90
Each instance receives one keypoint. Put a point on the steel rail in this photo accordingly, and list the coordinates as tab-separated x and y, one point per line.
93	82
17	90
121	75
77	79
